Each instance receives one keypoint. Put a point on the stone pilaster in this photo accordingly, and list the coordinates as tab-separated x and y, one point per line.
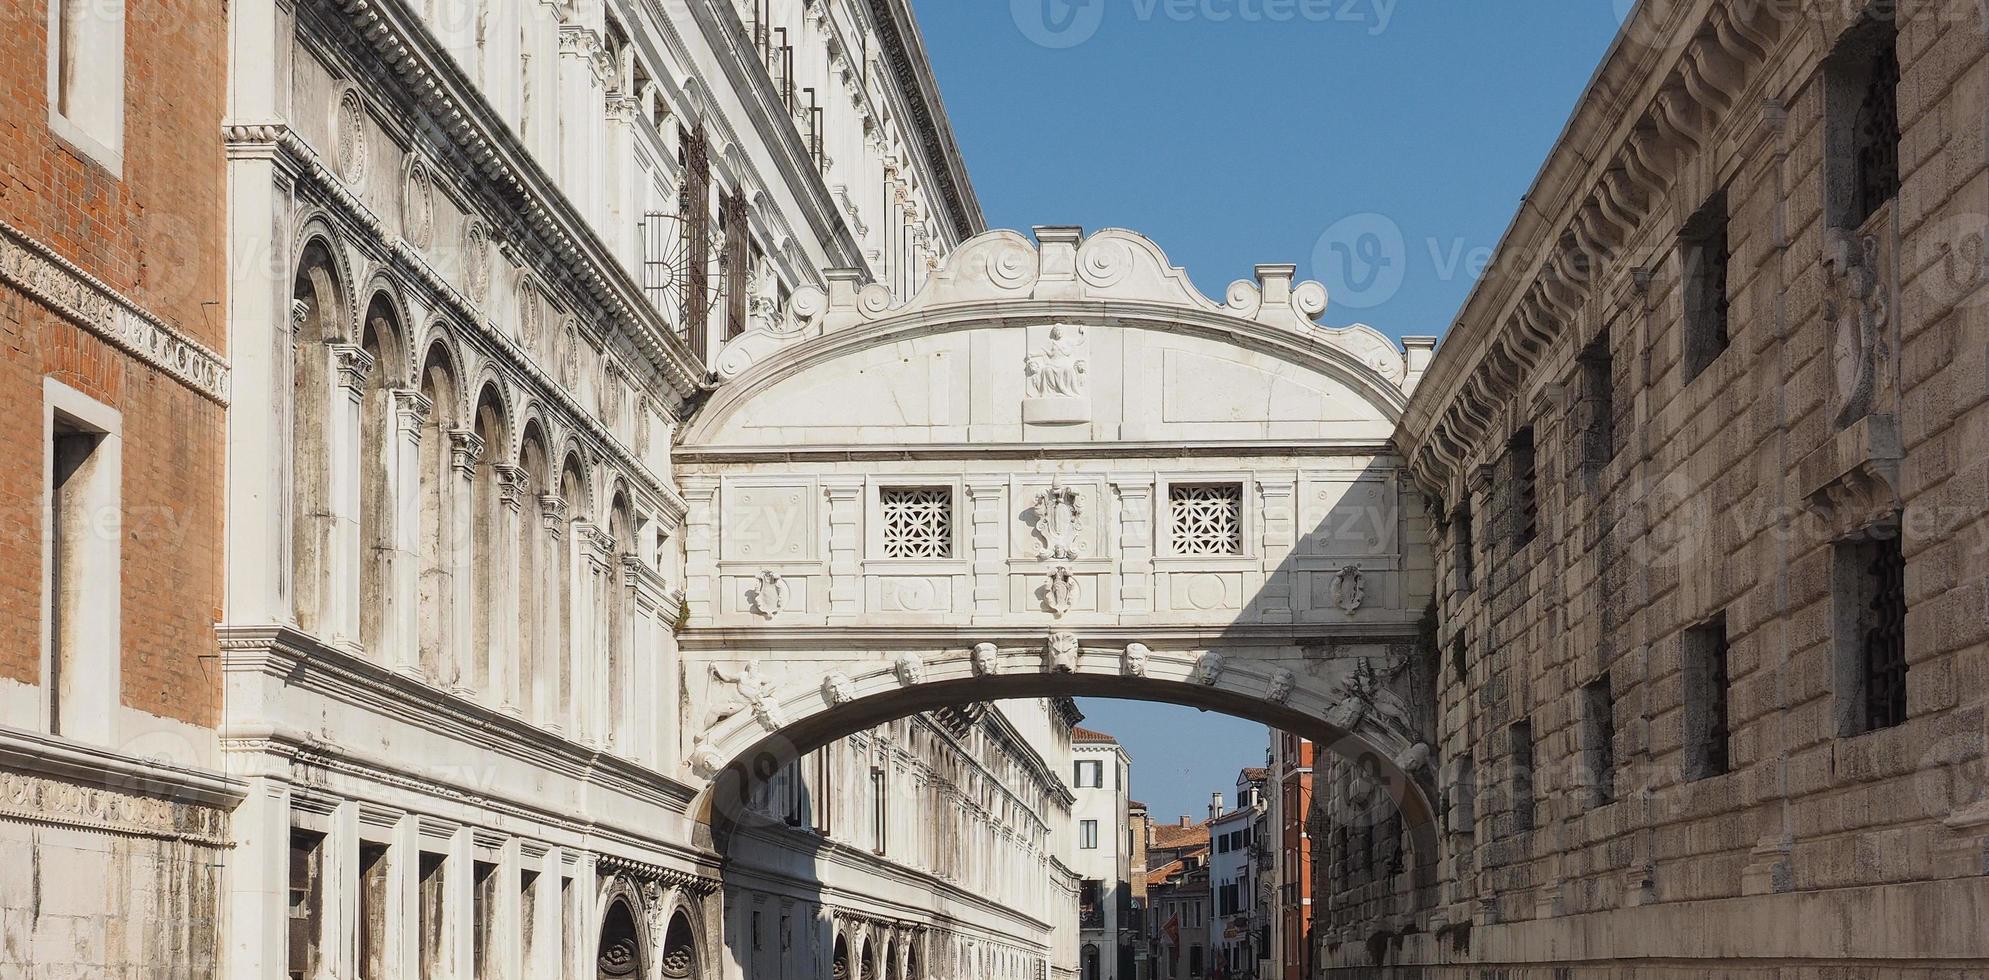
1277	523
845	549
349	367
411	411
1135	528
989	572
469	676
700	547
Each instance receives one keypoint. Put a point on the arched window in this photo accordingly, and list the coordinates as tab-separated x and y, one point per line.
680	953
377	544
319	321
620	954
536	671
486	524
437	540
1090	961
839	963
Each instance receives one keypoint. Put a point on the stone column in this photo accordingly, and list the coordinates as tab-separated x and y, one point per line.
508	925
700	547
411	410
990	573
1277	523
349	366
340	863
459	906
1135	524
845	549
507	592
645	597
467	677
403	911
582	72
583	627
556	603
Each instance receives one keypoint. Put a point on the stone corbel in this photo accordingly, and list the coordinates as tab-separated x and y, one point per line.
1712	76
1853	480
1679	117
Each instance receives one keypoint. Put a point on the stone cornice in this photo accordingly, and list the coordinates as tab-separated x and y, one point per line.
691	456
86	301
33	753
1679	77
905	51
460	111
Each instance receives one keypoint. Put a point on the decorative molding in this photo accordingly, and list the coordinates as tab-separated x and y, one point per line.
86	301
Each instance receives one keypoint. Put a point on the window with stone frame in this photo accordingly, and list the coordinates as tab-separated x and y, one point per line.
1704	254
917	522
1595	413
1523	487
86	78
306	907
1520	777
1708	677
1206	519
1463	558
1599	741
1869	619
1862	119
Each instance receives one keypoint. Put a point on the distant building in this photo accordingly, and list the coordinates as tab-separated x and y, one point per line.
1233	937
1178	896
1138	827
1102	856
1289	803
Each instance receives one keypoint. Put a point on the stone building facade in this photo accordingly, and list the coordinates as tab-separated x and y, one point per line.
1704	452
113	805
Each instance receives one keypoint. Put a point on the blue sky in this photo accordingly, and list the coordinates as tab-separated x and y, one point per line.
1381	145
1238	132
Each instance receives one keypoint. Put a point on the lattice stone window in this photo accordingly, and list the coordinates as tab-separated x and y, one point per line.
918	522
1207	519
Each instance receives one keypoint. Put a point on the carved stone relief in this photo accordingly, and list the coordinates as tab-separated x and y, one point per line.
1854	303
418	205
1060	592
1208	669
1060	653
910	669
769	597
1349	589
754	690
1134	663
1059	520
986	659
1282	682
1056	383
349	132
838	689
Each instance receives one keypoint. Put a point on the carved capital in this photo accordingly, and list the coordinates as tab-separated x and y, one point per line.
352	364
465	450
511	486
553	509
413	407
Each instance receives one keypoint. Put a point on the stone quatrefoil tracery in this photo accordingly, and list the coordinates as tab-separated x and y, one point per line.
1207	520
918	522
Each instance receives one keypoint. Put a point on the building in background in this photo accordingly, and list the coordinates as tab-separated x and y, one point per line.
1178	900
1233	939
1139	830
1101	774
1289	815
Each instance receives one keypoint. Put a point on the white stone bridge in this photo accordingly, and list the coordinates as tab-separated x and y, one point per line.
1059	470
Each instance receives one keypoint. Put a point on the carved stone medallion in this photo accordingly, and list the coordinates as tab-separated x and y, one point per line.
349	132
769	597
418	205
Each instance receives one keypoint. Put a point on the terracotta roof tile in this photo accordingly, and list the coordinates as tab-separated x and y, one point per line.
1078	734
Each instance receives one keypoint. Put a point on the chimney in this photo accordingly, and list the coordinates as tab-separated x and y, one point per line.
1186	821
1215	805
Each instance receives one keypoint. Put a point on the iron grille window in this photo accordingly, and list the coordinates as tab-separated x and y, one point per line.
1875	133
737	228
1708	730
1462	556
1206	519
918	522
1704	248
1885	637
1521	776
1598	413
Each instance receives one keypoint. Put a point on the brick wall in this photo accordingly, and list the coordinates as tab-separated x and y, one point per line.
154	235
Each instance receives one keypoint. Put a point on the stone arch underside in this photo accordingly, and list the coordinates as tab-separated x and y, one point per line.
1352	706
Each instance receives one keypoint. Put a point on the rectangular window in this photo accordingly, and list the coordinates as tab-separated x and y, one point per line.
1463	802
373	912
917	522
735	227
86	78
1523	473
1597	416
1206	520
1520	783
307	903
1087	835
430	895
880	814
483	901
1870	624
81	573
1703	253
528	920
1599	741
1862	135
1090	774
1462	558
1708	740
1459	653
